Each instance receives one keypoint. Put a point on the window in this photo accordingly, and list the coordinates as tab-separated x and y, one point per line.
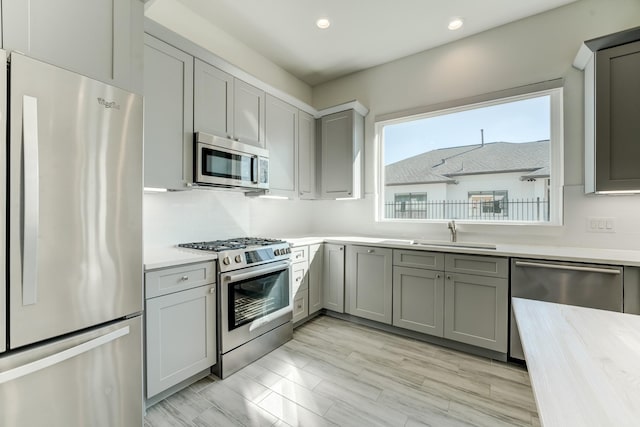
409	205
499	160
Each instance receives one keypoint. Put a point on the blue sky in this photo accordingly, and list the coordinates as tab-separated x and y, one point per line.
520	121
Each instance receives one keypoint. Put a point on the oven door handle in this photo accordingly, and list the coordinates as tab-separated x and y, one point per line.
236	277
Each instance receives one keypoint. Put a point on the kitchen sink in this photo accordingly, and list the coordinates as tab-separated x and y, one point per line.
445	244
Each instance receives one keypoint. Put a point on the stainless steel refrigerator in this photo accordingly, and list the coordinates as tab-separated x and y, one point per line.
70	311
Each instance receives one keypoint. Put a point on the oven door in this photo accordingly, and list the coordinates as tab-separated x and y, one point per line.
253	301
222	166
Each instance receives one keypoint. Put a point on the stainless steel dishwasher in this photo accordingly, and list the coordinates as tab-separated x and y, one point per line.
584	285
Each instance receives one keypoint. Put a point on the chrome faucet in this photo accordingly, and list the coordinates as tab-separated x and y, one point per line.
454	233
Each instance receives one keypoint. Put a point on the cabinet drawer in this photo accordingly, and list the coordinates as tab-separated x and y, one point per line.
174	279
300	254
480	265
299	277
418	259
301	305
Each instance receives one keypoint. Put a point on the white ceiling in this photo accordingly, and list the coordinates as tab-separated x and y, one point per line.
363	33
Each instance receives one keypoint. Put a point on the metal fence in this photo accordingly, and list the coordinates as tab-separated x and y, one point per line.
496	210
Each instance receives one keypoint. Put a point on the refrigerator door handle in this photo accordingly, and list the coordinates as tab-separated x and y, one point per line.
56	358
31	200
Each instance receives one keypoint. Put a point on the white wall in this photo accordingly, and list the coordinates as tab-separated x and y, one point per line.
182	20
532	50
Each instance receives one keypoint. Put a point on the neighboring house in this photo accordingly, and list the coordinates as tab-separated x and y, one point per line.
493	181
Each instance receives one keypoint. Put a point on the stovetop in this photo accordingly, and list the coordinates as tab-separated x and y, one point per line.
231	244
234	254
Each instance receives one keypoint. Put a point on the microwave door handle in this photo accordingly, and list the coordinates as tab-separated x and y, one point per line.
254	169
31	210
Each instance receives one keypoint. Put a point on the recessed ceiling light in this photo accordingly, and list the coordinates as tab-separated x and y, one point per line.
455	24
323	23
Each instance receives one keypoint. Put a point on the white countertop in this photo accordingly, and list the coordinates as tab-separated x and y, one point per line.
167	256
563	253
584	363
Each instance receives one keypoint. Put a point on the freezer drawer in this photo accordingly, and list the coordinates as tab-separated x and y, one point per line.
90	379
584	285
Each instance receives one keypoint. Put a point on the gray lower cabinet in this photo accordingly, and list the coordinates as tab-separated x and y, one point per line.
476	310
180	325
101	39
168	116
418	300
300	290
281	130
316	260
369	282
333	278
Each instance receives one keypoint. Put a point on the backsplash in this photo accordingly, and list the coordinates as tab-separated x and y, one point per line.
187	216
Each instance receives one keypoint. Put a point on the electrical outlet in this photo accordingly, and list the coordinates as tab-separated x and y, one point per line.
601	225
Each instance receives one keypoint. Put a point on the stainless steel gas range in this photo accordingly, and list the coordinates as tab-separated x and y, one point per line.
254	299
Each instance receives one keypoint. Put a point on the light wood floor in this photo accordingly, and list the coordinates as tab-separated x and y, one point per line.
338	373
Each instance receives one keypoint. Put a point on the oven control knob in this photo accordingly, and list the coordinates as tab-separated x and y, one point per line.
226	260
288	250
238	258
276	252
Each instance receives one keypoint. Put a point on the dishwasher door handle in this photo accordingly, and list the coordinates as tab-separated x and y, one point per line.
567	267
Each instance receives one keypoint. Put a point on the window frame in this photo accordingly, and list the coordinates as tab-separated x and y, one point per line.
554	89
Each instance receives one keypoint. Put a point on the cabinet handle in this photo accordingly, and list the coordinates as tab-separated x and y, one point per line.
212	290
298	279
448	277
184	278
437	276
370	251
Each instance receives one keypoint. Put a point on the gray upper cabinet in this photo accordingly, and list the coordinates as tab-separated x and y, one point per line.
168	116
369	282
612	108
248	113
306	156
333	278
341	147
213	100
101	39
281	128
228	107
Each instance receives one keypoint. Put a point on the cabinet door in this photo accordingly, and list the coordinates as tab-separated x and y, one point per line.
306	156
342	139
181	336
333	278
617	104
369	286
316	256
101	39
281	129
418	300
213	100
475	310
168	116
248	113
337	155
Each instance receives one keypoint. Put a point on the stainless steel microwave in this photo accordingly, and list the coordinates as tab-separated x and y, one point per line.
231	164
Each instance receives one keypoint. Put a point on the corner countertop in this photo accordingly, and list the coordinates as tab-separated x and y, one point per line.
584	363
559	253
169	256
